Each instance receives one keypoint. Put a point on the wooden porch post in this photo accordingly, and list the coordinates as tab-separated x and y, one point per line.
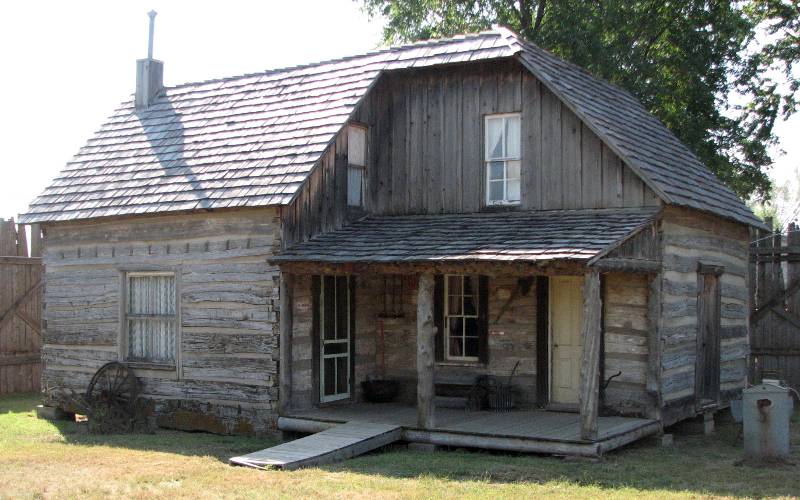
590	361
285	361
426	347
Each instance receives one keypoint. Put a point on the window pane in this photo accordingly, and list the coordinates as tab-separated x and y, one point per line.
456	349
356	145
453	305
329	308
513	190
151	340
496	191
330	376
469	285
355	185
513	169
471	327
512	133
151	295
494	138
331	348
471	347
342	308
497	170
456	326
454	285
342	373
470	307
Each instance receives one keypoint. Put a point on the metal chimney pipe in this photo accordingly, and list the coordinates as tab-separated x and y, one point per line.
152	15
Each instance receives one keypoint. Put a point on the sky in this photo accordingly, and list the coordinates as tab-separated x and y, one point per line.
70	64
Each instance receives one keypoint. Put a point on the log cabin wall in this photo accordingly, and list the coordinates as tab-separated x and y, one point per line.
386	343
225	377
425	151
691	238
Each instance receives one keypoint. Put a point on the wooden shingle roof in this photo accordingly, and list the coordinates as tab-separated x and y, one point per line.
499	236
253	140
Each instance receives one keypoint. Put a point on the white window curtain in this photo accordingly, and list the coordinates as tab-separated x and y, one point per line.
151	317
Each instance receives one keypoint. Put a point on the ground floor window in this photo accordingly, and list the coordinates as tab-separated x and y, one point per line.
151	317
461	318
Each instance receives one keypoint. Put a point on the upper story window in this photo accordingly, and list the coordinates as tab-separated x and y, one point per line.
357	164
503	159
151	318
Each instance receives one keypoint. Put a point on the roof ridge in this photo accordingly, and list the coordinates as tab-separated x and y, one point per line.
377	51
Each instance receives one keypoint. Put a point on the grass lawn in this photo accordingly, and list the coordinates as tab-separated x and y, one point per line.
43	459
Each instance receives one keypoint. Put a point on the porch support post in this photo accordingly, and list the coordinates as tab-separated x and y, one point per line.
653	378
285	349
426	348
590	361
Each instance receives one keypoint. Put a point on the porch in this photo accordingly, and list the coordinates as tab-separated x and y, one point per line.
447	302
529	431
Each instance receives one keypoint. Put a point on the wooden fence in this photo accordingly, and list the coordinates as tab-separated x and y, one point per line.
775	321
20	308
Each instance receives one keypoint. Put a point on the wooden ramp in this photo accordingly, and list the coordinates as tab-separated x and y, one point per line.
337	443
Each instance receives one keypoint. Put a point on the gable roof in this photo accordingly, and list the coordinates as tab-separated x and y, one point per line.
252	140
534	236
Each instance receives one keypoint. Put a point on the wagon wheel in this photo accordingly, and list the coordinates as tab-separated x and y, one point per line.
114	385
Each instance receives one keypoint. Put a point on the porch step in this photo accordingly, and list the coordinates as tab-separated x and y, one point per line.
340	442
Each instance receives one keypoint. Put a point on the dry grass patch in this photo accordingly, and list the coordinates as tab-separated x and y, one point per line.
52	460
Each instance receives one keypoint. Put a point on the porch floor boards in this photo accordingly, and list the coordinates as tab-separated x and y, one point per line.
525	430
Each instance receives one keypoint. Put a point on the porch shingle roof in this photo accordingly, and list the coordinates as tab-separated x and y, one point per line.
504	236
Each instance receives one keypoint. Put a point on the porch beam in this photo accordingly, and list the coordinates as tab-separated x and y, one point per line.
590	361
426	349
286	326
629	265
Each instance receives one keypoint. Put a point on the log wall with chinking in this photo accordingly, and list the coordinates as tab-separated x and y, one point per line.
691	238
225	378
386	344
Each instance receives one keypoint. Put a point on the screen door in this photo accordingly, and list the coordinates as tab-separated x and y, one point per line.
334	338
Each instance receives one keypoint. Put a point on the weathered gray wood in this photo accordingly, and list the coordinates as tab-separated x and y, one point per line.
286	327
336	443
426	348
654	343
629	265
590	361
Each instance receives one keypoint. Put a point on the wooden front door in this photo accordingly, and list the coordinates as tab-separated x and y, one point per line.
335	340
566	318
708	339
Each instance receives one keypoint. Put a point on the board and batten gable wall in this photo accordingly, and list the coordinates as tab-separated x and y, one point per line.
426	144
690	238
226	379
425	152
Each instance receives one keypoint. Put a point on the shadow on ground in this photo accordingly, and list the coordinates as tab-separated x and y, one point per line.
695	465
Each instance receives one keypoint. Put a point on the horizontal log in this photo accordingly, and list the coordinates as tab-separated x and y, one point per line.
21	261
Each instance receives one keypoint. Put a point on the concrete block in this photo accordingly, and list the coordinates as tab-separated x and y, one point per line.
52	413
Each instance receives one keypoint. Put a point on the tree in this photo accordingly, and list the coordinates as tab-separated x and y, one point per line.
685	60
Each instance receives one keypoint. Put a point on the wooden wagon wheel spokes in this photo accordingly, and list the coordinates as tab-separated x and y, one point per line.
113	384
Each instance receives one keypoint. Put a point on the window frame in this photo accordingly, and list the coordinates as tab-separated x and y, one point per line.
125	317
354	166
505	202
477	316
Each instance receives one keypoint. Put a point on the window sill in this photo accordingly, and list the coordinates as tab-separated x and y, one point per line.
145	365
502	207
468	364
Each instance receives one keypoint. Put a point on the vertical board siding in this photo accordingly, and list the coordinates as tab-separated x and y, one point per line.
427	156
688	239
227	318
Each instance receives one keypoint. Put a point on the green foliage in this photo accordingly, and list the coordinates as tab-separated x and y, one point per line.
684	60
